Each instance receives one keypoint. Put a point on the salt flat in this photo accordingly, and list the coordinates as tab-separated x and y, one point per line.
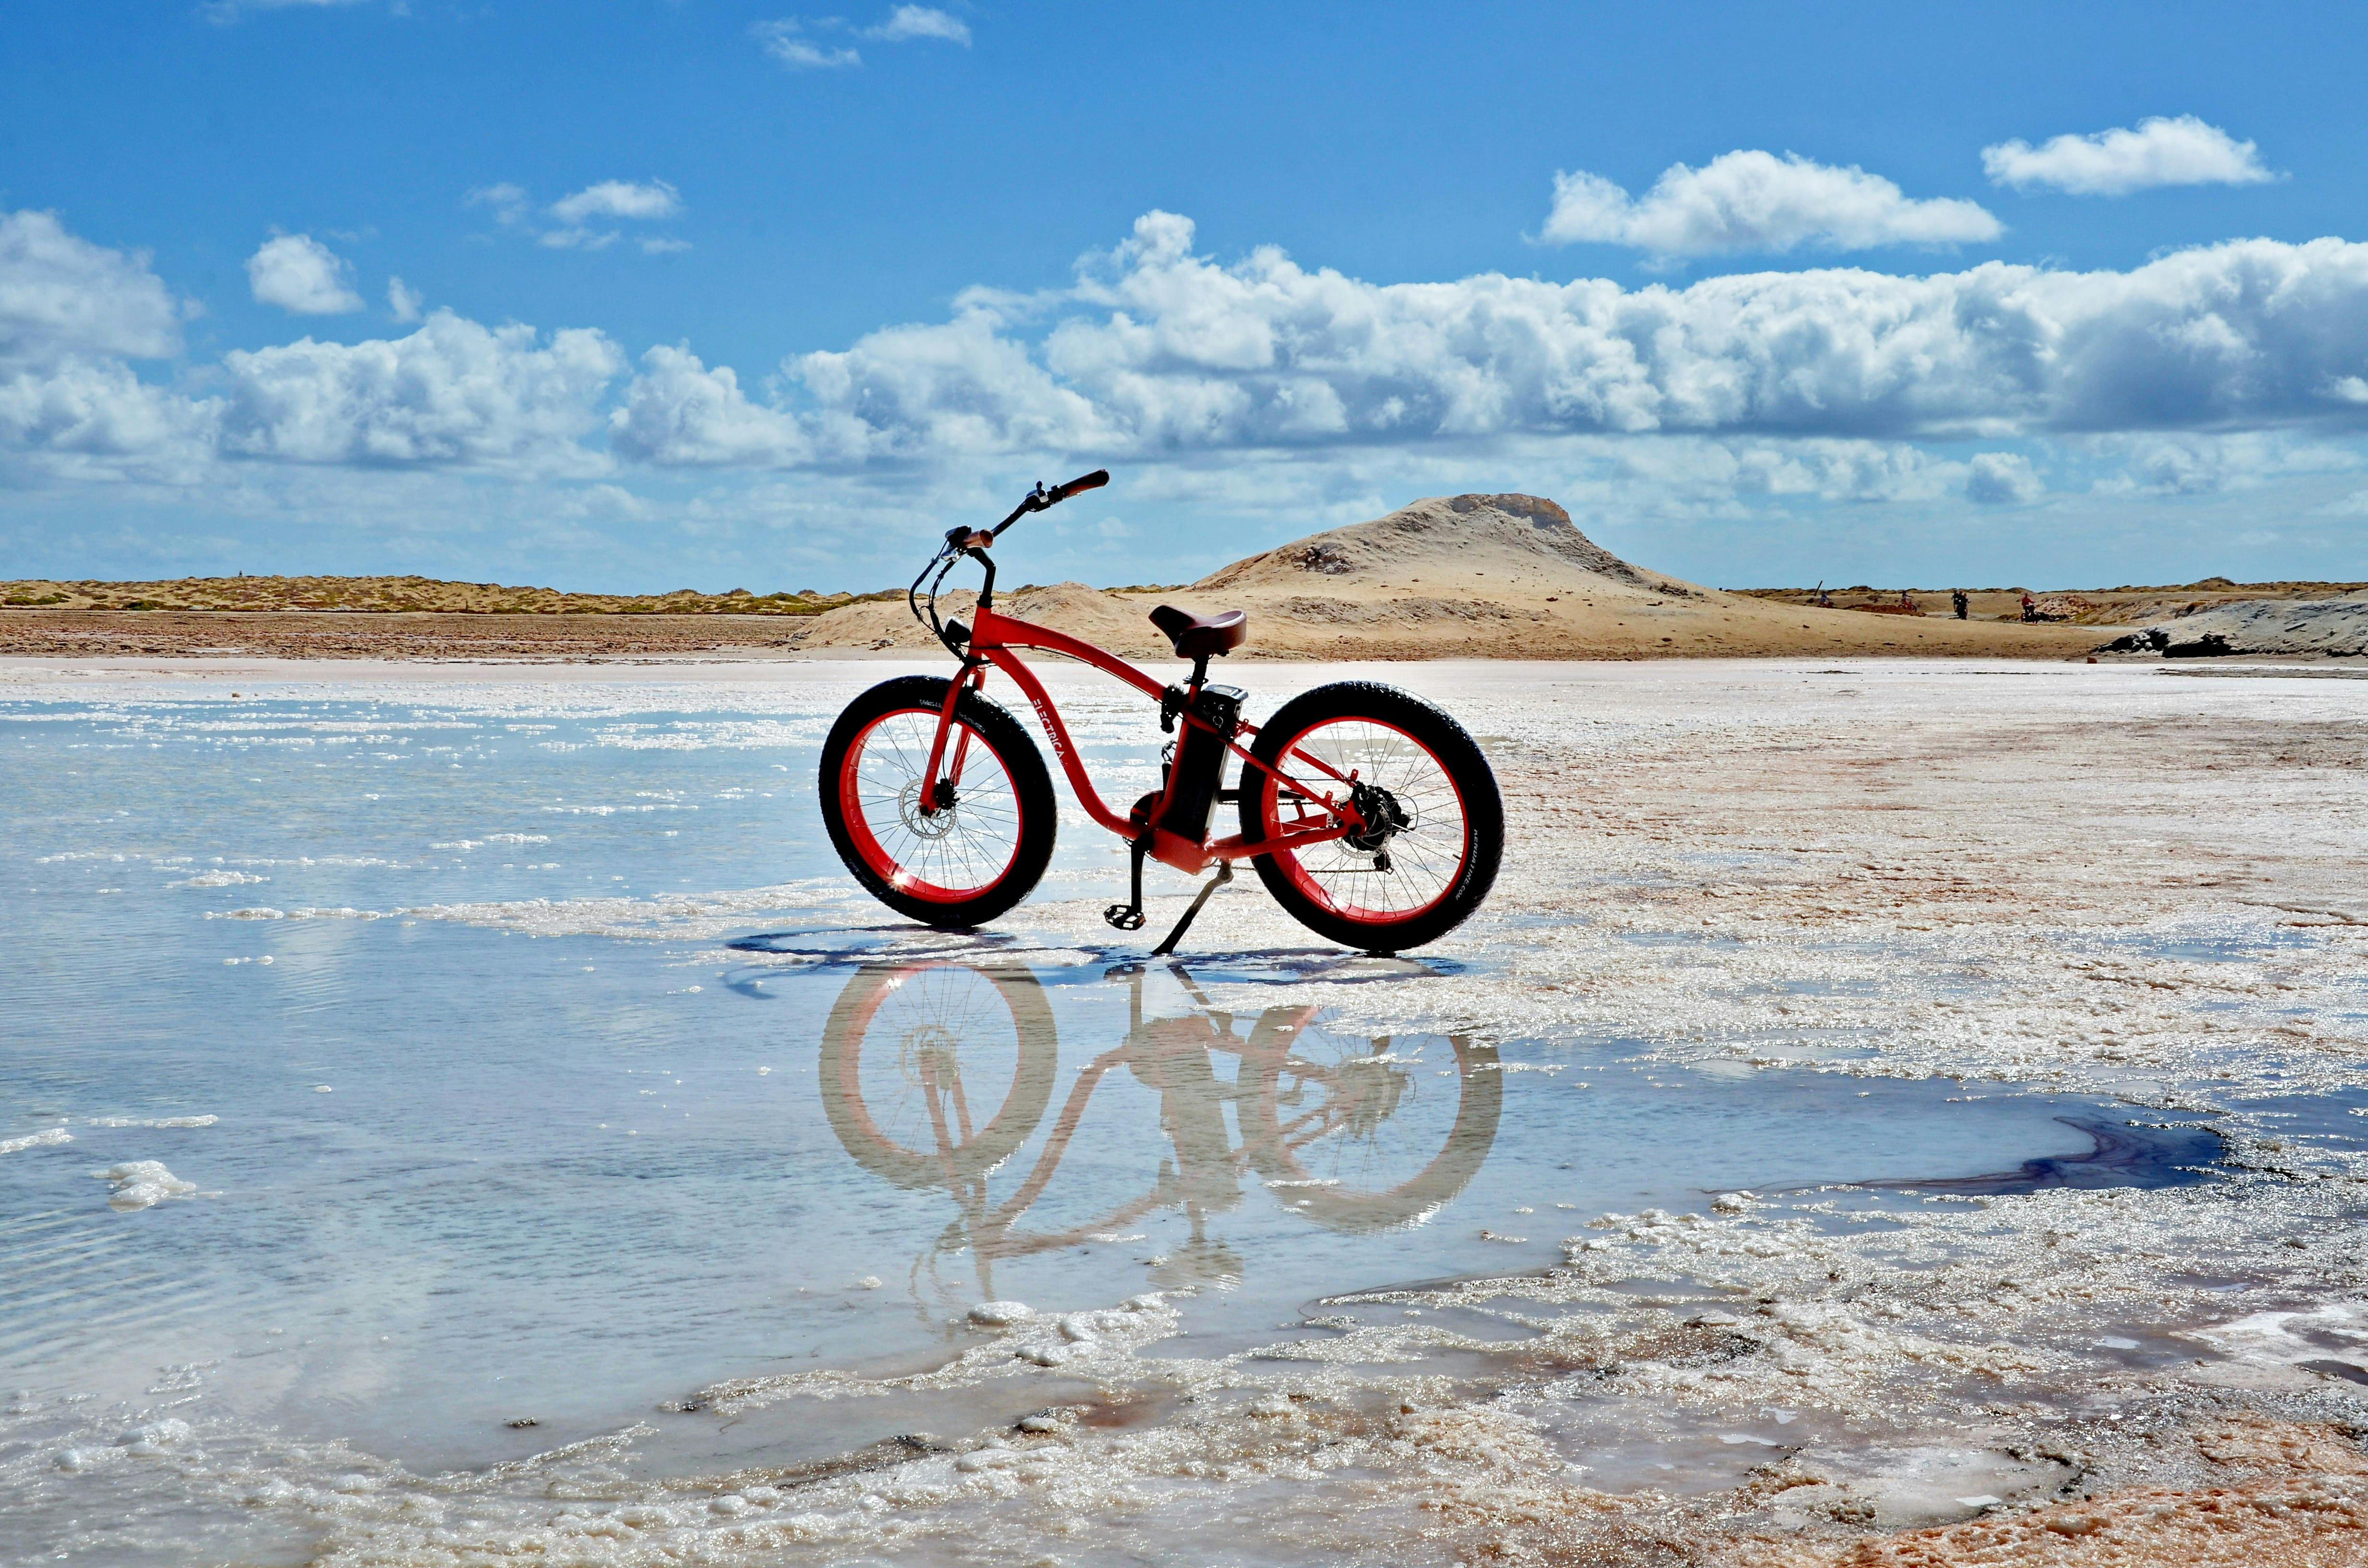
1878	1097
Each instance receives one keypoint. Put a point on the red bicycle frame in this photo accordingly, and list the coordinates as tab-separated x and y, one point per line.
996	639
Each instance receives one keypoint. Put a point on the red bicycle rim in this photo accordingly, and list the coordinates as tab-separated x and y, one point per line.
945	857
951	1138
1424	868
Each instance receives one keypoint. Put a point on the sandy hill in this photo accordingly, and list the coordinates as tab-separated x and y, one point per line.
1462	576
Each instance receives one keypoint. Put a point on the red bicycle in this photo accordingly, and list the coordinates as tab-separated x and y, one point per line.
1371	815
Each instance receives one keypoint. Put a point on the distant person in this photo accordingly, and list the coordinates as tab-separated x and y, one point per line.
1825	599
2030	606
1906	603
1958	602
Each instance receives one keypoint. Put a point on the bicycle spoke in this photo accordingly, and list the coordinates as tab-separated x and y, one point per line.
1423	857
953	850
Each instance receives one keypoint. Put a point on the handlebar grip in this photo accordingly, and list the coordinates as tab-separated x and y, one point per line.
1093	481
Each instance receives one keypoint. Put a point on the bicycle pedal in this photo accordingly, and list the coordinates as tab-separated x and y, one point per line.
1124	916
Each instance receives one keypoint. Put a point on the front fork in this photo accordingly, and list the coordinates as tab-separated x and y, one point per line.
940	794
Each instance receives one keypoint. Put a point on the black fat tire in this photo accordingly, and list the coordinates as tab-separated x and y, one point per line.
1476	782
1029	783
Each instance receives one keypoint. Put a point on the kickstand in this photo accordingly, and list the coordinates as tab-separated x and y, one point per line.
1225	874
1129	916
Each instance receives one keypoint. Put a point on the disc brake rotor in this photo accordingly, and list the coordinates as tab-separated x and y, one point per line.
923	824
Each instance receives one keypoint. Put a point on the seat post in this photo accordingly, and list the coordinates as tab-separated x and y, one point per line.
1199	671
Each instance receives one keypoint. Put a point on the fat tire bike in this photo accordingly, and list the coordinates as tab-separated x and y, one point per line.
1370	814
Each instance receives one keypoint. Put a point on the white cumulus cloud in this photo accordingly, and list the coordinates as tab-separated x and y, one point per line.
789	38
300	275
508	201
2204	371
72	314
2212	462
61	295
920	21
2159	152
785	39
93	419
678	412
453	393
1750	200
630	200
1158	351
578	239
619	199
2002	479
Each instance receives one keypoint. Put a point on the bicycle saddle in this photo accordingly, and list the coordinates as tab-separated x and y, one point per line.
1200	636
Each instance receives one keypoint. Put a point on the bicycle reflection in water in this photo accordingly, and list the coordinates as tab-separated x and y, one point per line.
934	1074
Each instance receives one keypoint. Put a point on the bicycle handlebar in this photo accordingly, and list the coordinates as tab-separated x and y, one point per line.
1040	497
962	542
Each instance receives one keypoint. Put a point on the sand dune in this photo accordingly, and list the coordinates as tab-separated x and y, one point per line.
1464	576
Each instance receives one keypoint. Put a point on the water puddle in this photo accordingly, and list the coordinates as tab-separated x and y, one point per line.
2126	1153
575	1194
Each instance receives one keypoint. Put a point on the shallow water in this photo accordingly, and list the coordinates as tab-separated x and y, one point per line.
517	1069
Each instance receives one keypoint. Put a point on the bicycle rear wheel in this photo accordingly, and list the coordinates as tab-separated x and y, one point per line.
980	847
1358	1129
1438	830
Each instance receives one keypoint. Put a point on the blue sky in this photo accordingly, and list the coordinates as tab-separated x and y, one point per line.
740	294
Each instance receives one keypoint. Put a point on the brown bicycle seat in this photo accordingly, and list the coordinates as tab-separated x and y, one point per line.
1201	636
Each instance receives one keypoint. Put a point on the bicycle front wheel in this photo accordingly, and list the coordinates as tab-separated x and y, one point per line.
968	855
932	1074
1438	821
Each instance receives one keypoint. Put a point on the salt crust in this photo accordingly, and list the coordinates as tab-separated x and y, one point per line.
698	916
142	1184
2286	1494
154	1121
1919	1325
